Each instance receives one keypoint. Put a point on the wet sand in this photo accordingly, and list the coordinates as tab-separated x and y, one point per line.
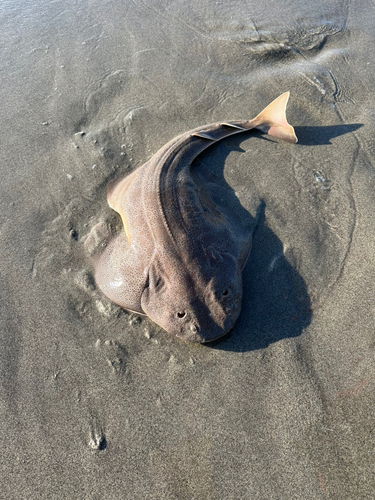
98	403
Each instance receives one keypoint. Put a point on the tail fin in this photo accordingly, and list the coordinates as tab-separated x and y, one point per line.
272	120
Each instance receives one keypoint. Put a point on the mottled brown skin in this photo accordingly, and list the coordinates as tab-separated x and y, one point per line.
180	257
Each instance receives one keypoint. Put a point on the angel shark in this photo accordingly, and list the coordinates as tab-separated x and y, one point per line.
180	256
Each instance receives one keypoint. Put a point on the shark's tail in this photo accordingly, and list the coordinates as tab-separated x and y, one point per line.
272	120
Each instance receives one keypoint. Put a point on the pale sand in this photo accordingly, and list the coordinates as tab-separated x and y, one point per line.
98	404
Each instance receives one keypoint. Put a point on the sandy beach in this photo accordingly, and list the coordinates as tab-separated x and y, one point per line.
99	403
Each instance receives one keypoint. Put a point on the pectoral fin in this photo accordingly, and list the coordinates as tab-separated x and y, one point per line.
118	267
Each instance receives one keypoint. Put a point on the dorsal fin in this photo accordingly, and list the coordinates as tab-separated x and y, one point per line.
204	135
233	125
272	120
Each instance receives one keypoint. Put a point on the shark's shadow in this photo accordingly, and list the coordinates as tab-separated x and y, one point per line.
275	304
314	136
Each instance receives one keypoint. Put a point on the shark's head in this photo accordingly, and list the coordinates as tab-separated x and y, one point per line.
192	304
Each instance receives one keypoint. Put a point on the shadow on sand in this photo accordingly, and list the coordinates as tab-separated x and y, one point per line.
316	136
275	304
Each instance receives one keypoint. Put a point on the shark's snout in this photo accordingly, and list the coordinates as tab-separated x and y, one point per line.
210	330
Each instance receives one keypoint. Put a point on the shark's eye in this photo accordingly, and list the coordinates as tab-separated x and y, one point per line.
181	314
225	292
